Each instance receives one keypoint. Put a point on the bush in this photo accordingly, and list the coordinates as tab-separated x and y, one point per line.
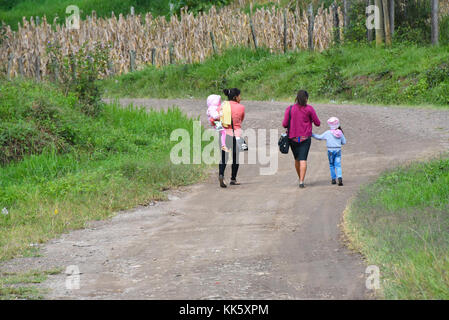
437	75
36	118
80	73
333	82
442	93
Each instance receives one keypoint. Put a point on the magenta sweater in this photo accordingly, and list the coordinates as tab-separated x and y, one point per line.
301	121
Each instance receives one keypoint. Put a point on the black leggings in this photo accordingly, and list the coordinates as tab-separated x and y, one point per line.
225	156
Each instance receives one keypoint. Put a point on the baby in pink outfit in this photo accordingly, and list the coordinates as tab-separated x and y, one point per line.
214	114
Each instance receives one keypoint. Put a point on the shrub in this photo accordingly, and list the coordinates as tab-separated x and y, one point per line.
80	72
333	82
437	75
442	93
35	118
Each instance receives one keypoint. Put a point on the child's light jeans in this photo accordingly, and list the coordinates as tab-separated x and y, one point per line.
335	163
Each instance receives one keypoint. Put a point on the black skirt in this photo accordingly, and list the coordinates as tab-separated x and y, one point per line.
301	150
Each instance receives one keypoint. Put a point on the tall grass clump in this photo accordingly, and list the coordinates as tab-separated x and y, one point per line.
401	224
62	168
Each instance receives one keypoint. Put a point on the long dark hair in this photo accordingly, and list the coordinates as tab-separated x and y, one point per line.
302	97
232	94
339	128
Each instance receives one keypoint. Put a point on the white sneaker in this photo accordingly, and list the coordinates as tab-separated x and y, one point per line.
218	126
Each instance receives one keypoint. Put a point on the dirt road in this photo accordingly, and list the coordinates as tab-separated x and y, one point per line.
265	239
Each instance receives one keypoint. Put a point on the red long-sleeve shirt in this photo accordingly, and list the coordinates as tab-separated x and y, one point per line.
301	121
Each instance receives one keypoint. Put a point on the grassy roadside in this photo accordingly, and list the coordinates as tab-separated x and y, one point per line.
61	168
403	75
401	224
16	285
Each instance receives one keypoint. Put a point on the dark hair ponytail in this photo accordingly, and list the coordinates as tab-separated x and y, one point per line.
231	93
302	97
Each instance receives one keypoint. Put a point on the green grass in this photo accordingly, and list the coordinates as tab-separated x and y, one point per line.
15	285
85	168
401	224
368	75
12	14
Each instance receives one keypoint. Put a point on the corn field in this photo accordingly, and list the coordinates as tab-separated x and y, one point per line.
444	8
147	40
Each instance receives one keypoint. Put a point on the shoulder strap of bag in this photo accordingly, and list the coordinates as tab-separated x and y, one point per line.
232	120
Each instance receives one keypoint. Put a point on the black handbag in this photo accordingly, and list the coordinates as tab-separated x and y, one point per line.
284	141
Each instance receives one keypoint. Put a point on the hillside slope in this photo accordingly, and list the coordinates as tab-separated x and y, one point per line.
410	75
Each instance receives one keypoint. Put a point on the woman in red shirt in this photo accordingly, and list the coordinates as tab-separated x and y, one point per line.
300	116
237	116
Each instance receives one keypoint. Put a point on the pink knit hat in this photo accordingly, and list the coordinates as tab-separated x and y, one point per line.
214	100
333	123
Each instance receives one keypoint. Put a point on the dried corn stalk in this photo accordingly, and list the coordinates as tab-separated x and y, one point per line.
189	35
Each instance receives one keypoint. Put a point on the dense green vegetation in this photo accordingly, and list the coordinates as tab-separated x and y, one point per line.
62	167
404	74
12	11
401	224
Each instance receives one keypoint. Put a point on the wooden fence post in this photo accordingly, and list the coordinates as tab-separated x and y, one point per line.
153	55
55	68
10	60
37	67
171	53
132	60
214	46
20	62
111	68
311	26
285	30
253	32
72	65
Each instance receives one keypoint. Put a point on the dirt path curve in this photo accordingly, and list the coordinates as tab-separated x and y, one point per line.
265	239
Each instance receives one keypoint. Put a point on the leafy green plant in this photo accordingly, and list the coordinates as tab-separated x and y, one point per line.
437	74
79	73
333	82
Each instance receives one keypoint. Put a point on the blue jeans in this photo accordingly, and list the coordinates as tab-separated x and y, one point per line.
335	163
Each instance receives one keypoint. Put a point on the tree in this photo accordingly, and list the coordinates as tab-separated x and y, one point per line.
386	12
369	33
435	26
392	17
380	30
346	8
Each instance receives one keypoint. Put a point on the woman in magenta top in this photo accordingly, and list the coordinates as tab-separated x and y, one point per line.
300	116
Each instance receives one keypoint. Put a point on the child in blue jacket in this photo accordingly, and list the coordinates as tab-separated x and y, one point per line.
334	140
